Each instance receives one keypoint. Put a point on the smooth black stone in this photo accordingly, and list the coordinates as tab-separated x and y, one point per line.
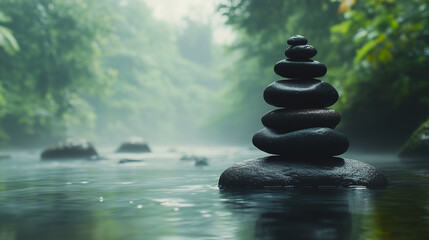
70	148
287	120
276	171
301	52
310	142
134	145
297	40
300	69
300	93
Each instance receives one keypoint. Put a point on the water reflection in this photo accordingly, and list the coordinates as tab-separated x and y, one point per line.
309	213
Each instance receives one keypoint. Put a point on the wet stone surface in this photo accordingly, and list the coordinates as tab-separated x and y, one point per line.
300	52
310	142
275	171
304	69
297	40
287	120
301	133
300	93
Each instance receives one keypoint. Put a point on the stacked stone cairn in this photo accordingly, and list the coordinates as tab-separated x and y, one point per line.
303	127
301	133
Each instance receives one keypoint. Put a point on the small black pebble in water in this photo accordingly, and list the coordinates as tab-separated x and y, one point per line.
125	160
201	162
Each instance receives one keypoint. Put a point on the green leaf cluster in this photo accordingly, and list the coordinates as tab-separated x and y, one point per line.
385	84
7	41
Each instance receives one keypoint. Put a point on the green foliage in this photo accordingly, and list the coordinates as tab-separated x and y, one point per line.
375	50
7	41
387	77
46	82
417	146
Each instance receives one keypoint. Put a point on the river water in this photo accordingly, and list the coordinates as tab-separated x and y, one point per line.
164	197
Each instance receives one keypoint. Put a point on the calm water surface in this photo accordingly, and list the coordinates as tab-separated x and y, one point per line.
166	198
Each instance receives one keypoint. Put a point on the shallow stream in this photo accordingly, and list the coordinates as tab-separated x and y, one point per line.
164	197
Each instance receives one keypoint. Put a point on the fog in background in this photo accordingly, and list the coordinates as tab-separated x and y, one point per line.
193	72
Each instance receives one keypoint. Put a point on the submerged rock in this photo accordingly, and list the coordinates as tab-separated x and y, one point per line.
134	145
70	148
126	160
417	145
201	162
192	158
3	157
198	160
275	171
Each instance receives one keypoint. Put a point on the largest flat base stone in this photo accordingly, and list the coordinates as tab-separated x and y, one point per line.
275	171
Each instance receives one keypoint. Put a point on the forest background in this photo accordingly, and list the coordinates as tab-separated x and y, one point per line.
106	70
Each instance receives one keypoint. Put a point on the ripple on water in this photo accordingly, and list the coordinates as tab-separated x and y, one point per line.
173	202
192	188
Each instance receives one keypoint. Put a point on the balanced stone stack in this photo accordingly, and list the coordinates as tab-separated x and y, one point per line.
303	127
301	133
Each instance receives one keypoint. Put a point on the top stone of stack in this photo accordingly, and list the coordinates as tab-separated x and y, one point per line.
297	40
299	50
298	63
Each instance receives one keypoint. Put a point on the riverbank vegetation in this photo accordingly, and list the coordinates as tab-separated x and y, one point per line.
109	69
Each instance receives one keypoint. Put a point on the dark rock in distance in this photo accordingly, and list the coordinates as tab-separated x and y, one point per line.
126	160
287	120
310	142
300	93
301	52
193	158
302	69
134	145
201	162
70	148
297	40
417	146
3	157
276	171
